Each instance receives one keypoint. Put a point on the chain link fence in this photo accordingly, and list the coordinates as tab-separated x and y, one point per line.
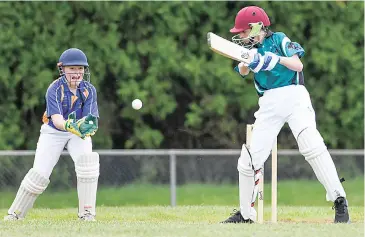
173	167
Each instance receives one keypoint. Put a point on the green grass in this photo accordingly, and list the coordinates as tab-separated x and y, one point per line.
290	193
197	221
142	210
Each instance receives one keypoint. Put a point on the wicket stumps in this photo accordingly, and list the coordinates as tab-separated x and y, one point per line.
274	188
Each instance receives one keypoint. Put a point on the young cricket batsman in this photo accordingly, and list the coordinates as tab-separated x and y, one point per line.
279	81
70	119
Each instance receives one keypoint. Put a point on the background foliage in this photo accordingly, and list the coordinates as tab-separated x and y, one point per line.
157	51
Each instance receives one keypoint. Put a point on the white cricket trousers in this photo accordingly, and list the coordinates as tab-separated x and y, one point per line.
291	104
50	145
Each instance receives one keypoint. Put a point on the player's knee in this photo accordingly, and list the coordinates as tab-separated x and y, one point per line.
34	182
87	165
244	165
310	143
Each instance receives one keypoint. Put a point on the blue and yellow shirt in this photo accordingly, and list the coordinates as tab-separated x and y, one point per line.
60	100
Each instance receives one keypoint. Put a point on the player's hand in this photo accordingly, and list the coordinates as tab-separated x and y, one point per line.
243	69
88	125
264	62
72	127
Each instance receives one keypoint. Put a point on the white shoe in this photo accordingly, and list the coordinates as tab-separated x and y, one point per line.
12	217
87	216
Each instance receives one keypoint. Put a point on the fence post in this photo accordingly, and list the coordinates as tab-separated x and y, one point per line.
172	179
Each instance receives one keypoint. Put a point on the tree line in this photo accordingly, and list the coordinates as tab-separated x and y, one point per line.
157	51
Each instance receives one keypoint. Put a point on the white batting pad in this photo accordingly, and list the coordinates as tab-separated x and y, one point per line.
312	147
247	187
31	187
87	171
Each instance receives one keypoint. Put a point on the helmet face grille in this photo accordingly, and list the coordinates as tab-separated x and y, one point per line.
86	77
249	42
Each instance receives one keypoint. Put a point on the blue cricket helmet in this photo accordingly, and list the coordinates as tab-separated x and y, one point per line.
73	57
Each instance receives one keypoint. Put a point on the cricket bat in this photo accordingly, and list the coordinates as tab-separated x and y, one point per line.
228	49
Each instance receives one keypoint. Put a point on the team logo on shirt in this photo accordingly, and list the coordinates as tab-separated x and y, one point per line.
292	45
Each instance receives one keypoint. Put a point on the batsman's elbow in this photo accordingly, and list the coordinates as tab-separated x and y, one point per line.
299	67
293	63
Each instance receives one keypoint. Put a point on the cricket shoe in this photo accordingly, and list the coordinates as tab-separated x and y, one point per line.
87	216
12	217
236	217
341	211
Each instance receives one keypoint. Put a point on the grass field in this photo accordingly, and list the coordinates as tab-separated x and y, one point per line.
182	221
290	193
142	210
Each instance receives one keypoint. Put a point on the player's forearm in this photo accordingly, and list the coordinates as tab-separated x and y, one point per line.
293	63
58	121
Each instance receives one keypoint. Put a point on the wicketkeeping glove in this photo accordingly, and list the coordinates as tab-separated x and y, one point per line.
72	127
88	125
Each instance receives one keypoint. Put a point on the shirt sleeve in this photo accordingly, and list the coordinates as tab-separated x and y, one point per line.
288	47
91	104
53	100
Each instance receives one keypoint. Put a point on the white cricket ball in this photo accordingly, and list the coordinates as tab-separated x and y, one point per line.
137	104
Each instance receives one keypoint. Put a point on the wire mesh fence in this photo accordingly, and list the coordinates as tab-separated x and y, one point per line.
121	167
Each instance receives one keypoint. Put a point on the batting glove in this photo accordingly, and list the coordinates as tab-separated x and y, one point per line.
264	62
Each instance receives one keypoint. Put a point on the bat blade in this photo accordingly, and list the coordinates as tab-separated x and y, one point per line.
227	48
